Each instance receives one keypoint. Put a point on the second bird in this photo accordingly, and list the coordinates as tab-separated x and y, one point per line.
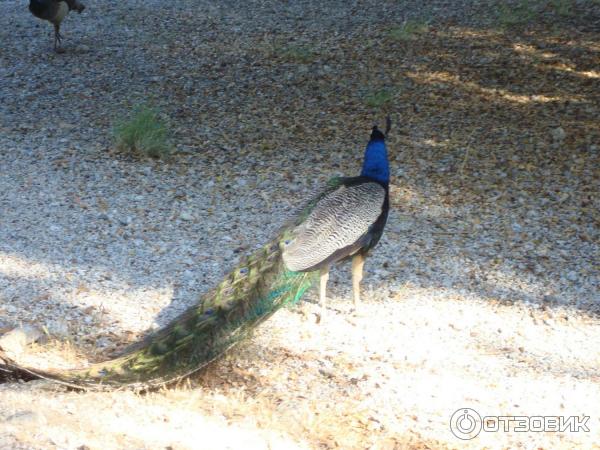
54	11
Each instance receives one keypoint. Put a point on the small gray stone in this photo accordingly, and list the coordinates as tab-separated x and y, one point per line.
558	134
572	276
185	215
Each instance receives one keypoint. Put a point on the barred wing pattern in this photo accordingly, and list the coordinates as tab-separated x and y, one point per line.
339	220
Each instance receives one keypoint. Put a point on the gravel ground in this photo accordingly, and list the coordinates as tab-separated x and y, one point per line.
483	292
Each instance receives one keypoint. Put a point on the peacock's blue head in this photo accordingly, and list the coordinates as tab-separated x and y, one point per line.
376	163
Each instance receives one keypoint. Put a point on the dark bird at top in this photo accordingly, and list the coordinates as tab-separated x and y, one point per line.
345	221
55	11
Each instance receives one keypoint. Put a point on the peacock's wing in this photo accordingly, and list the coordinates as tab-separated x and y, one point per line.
298	215
336	225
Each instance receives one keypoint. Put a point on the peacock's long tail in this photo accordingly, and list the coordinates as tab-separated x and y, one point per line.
248	295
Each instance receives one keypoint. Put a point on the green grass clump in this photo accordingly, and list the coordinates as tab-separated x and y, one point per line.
378	98
408	30
516	15
296	53
563	8
143	133
525	12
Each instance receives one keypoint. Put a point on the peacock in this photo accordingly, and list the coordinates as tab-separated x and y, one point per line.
55	11
344	221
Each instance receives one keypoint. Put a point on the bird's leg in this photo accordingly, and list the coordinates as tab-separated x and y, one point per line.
323	289
358	262
57	38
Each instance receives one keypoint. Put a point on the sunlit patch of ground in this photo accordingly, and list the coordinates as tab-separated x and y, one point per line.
389	376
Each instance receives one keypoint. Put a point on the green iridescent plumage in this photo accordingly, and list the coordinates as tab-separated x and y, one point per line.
248	295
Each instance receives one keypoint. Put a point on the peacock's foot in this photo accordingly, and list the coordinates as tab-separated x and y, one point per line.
58	42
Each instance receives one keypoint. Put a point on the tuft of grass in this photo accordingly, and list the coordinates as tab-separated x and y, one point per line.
515	15
408	30
143	133
296	53
563	8
378	98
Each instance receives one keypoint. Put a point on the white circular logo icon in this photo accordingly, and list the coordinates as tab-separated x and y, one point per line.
465	423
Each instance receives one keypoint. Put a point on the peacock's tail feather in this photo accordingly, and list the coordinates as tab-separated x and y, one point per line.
248	295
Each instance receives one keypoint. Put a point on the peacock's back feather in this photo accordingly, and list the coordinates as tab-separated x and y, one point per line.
337	225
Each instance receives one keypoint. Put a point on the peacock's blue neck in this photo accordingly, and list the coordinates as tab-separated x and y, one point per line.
376	163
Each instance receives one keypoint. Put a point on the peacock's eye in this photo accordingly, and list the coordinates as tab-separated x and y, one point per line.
287	242
244	270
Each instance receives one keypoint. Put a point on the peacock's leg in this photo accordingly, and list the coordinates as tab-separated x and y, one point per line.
57	39
358	262
323	288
